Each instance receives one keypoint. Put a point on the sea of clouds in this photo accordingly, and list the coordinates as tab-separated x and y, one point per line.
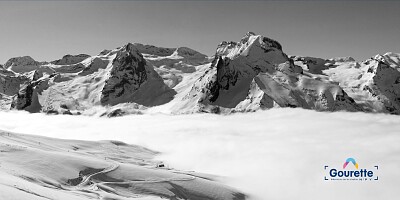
274	154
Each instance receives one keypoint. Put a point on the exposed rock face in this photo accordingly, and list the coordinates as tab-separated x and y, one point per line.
130	77
290	89
22	64
243	76
70	59
128	73
28	96
342	59
255	74
391	59
238	63
373	84
313	65
382	82
9	87
93	66
153	50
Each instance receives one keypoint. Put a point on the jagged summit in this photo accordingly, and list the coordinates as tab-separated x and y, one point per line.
131	50
389	58
250	42
251	74
256	74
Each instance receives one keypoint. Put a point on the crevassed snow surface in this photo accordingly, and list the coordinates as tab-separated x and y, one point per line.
274	154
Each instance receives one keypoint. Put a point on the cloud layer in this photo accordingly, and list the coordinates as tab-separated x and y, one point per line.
274	154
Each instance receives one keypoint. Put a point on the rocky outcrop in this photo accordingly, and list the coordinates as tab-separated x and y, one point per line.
290	89
382	82
390	59
70	59
243	76
153	50
10	85
28	96
255	74
238	63
342	59
132	80
94	65
22	64
374	84
172	64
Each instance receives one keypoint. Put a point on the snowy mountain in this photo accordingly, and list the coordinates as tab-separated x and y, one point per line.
374	83
255	74
72	169
21	64
243	76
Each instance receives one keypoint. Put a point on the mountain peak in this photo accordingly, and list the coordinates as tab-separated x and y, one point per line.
19	60
250	42
130	50
21	64
129	47
252	73
250	33
247	36
70	59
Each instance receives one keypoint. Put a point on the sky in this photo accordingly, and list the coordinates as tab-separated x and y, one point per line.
48	30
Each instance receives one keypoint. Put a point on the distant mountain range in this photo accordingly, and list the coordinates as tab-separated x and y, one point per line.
243	76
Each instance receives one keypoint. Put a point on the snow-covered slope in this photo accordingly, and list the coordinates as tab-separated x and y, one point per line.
120	76
255	73
243	76
389	58
172	64
131	79
273	154
374	83
72	169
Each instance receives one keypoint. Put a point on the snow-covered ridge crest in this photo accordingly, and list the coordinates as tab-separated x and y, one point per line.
232	49
256	74
251	74
131	79
389	58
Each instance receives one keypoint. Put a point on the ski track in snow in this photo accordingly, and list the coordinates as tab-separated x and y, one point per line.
274	154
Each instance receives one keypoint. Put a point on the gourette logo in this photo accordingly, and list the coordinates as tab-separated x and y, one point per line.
349	174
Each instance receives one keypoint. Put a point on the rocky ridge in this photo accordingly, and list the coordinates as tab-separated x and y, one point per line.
243	76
